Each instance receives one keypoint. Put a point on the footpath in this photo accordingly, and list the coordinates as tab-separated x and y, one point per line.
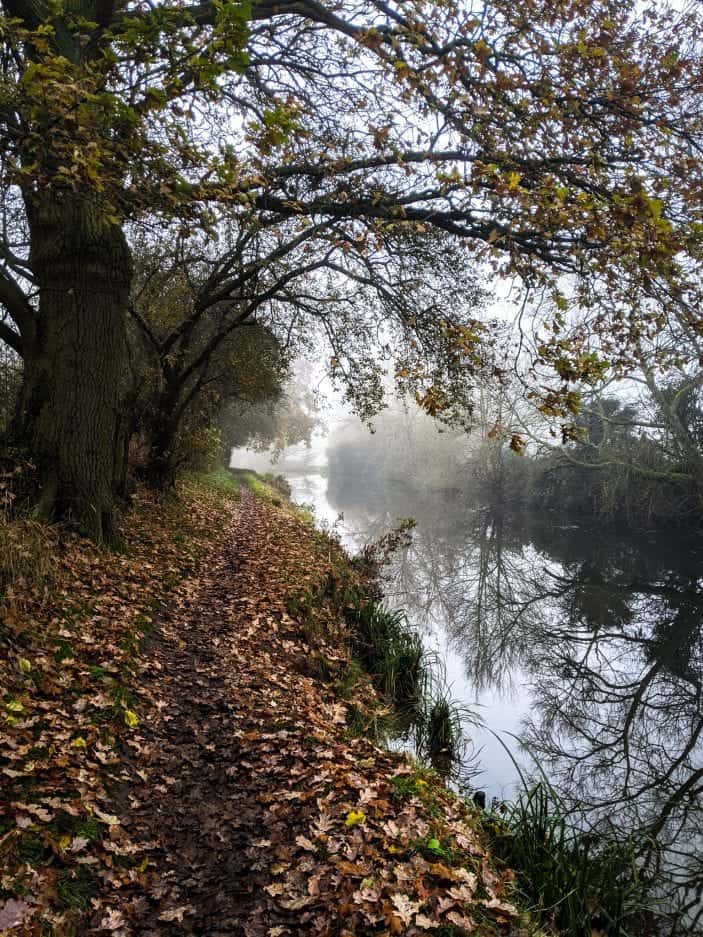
241	803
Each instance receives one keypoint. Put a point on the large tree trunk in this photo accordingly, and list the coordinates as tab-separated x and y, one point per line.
76	367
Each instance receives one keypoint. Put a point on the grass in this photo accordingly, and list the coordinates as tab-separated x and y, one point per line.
273	489
393	654
256	484
440	737
220	482
27	556
412	680
579	880
76	890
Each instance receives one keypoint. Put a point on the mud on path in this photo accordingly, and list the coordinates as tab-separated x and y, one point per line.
256	811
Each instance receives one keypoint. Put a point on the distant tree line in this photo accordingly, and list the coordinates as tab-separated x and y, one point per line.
625	460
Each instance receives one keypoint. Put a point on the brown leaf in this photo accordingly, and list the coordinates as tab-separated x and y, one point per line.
12	913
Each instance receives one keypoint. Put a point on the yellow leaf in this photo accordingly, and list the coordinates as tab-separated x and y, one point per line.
514	181
355	818
131	719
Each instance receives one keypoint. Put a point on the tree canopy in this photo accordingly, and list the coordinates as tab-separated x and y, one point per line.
557	141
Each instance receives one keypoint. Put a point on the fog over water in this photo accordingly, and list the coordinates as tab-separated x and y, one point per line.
578	644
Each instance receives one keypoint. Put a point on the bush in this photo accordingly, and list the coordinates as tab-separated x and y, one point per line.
199	450
27	548
10	383
280	483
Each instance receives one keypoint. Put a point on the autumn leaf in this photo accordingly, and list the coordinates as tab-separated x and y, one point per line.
130	718
355	818
176	914
12	913
406	908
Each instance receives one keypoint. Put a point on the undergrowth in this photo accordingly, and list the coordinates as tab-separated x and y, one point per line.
27	558
412	680
578	879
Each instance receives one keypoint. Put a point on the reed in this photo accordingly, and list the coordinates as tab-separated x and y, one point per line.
439	729
412	679
581	880
391	652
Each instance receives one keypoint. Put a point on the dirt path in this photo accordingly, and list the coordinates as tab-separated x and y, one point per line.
197	802
258	814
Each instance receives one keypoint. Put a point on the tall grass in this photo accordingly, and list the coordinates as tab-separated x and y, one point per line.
412	680
580	880
439	730
392	653
27	557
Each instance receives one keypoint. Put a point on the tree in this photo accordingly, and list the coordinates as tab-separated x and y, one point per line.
271	425
194	355
635	449
10	381
192	302
552	138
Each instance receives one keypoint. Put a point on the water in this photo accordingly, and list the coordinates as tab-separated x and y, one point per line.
580	647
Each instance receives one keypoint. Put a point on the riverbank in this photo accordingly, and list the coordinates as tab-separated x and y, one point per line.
208	780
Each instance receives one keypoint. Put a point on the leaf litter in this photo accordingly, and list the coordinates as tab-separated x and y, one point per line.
239	803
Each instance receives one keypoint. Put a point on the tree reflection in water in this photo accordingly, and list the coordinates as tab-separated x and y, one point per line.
605	628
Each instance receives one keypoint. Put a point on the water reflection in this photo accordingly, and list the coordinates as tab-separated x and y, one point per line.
586	643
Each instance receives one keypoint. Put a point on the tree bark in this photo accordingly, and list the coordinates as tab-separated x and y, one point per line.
160	472
77	364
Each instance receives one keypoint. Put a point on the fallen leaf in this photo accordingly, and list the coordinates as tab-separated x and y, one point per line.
406	908
176	914
113	920
12	913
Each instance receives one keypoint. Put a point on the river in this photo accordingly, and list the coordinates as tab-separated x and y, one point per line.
579	646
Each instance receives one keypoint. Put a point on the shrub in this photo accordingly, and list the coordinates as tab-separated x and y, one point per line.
280	483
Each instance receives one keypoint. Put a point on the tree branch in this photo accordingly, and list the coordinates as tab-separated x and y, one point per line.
11	338
13	298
